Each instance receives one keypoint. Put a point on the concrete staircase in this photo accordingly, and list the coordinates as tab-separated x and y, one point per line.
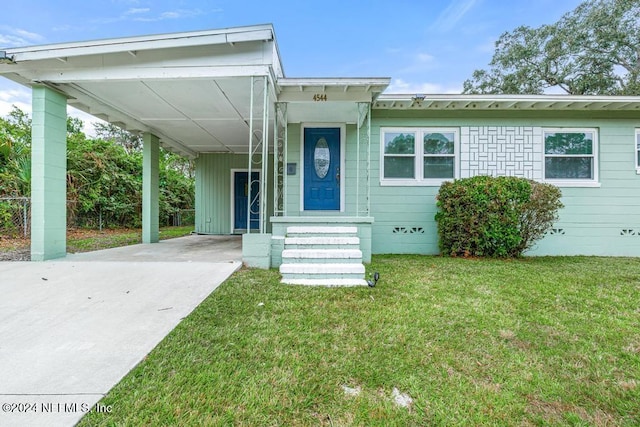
322	256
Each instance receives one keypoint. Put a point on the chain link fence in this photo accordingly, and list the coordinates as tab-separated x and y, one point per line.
182	217
15	216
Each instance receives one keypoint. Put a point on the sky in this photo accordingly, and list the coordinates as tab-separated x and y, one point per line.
424	46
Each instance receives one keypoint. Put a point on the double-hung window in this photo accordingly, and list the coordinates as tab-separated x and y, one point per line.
418	156
571	156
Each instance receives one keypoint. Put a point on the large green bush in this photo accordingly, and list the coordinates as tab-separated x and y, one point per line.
494	216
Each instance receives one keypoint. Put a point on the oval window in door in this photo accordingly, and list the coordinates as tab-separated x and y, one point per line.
321	158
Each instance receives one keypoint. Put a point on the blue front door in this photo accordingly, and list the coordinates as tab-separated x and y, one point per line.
322	169
241	196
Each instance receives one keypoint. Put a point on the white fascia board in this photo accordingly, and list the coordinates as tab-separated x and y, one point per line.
153	73
493	102
133	44
374	82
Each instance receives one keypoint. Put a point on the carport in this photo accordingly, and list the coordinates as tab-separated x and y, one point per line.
191	93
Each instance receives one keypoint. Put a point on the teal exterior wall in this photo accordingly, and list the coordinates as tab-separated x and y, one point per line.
49	175
594	221
591	223
213	190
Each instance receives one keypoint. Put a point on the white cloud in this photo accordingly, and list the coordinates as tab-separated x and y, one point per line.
450	17
143	14
173	14
405	87
137	10
19	97
28	35
424	57
418	62
11	37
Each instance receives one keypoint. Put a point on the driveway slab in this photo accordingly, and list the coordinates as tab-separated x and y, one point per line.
70	330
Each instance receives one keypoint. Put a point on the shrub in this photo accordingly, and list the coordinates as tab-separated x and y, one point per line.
494	216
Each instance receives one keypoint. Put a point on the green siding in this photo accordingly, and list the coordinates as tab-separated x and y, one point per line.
592	221
213	190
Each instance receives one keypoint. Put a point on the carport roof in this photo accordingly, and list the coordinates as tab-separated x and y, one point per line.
192	90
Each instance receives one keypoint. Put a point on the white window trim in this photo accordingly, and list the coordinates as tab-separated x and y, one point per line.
418	156
636	150
595	181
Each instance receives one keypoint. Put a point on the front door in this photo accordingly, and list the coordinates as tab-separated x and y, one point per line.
322	169
240	202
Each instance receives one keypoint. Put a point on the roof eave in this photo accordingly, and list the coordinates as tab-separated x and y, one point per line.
506	102
138	43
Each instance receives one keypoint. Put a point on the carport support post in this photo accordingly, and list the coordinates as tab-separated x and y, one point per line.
150	188
48	174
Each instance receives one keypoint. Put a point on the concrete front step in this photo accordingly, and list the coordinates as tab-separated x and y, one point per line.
325	282
322	271
322	255
302	231
321	241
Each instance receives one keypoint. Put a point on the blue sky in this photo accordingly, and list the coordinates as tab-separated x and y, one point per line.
425	46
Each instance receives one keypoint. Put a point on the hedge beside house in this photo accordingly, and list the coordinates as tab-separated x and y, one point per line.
494	216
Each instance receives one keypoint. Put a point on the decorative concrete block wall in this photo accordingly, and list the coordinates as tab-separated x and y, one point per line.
501	151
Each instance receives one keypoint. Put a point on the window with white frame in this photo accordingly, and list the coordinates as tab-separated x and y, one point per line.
638	150
418	156
570	155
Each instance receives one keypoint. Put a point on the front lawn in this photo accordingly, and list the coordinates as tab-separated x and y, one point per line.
537	341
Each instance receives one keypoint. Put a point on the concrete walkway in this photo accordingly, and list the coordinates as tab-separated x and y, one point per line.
71	329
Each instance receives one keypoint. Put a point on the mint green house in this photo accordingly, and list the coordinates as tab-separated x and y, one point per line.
318	174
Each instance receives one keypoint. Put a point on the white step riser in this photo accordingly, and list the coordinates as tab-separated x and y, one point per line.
325	282
312	268
322	260
327	277
337	241
321	230
321	247
294	256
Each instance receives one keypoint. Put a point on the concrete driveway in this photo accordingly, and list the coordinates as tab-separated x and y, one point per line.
71	329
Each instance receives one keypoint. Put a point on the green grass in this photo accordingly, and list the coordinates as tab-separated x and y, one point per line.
542	341
119	237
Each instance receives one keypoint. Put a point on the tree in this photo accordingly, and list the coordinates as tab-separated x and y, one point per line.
15	154
593	50
108	131
104	175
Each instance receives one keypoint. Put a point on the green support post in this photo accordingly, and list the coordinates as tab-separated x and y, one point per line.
150	188
48	174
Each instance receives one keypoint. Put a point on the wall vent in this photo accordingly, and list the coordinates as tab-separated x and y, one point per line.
408	230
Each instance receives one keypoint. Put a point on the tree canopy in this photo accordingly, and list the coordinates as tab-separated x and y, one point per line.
104	175
592	50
